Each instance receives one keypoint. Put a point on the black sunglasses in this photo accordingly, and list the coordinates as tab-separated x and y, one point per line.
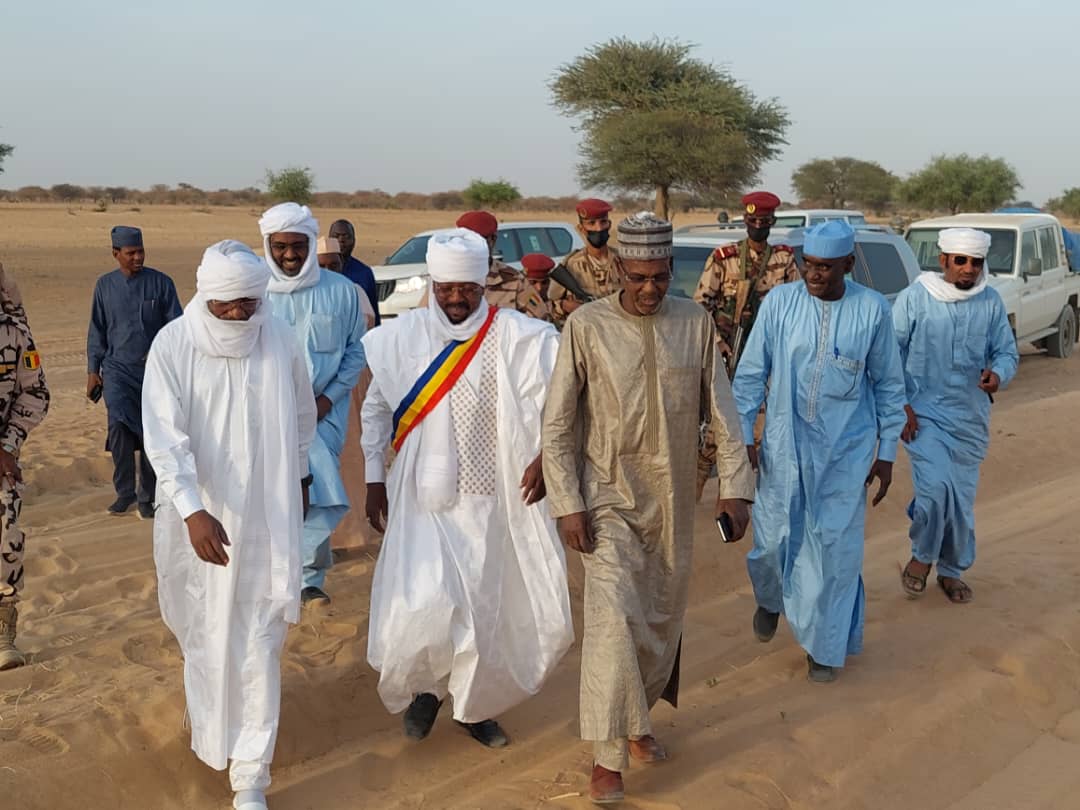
960	261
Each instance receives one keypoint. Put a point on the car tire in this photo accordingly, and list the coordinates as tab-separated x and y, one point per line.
1061	344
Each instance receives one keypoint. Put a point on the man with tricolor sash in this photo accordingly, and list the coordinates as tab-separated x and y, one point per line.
469	598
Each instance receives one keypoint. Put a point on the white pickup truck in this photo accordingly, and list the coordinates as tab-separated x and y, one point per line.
1028	266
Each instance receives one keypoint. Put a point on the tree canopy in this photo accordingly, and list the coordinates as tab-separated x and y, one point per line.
490	193
1068	203
843	181
5	150
956	182
291	185
655	120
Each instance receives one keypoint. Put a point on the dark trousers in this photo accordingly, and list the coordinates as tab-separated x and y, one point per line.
124	444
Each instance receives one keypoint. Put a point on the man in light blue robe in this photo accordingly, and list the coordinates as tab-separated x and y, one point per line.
324	310
958	350
825	355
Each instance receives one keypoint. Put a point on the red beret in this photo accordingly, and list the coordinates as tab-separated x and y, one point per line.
762	203
592	208
537	265
481	222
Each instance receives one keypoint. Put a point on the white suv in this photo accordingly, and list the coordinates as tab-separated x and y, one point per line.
402	280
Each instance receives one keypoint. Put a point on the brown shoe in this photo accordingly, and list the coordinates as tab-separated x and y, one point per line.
606	786
647	749
10	657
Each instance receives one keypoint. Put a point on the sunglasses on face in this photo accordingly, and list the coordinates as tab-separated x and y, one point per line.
466	290
659	278
249	305
960	261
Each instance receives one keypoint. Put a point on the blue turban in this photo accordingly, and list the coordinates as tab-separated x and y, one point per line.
829	240
125	236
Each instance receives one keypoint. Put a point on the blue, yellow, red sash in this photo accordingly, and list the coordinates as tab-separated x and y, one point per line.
436	381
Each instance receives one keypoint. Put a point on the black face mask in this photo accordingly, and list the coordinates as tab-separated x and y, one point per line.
598	238
758	234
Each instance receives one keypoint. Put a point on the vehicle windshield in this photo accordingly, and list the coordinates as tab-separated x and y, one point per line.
790	222
923	242
412	252
687	264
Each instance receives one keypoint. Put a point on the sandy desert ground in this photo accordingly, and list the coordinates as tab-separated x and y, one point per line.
974	707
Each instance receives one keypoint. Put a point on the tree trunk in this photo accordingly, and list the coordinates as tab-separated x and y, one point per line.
663	202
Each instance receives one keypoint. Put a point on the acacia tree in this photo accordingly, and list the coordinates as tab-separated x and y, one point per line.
842	181
958	182
291	185
1068	203
655	120
5	150
490	193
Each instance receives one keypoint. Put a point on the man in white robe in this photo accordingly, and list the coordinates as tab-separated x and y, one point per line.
470	596
229	415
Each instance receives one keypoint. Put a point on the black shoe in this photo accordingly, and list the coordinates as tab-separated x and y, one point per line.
120	506
765	624
487	732
819	673
146	511
311	594
420	716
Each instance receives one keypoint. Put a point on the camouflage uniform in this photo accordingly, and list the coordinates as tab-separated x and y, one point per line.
509	289
717	291
599	277
24	400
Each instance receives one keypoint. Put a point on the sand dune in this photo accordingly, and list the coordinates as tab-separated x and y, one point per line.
974	707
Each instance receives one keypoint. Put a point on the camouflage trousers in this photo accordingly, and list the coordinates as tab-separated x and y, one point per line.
12	545
707	450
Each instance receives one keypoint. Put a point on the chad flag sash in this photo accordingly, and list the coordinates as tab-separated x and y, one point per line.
436	381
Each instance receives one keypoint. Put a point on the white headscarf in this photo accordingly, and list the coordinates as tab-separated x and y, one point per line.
229	270
959	242
459	256
291	218
456	257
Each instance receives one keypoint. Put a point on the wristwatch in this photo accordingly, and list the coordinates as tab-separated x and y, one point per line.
7	448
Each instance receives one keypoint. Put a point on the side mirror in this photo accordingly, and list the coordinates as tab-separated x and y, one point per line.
1033	267
386	260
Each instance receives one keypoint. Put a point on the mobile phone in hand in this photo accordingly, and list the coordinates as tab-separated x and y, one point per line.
95	393
723	523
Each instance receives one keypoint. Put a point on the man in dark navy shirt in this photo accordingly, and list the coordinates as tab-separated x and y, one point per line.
355	270
131	305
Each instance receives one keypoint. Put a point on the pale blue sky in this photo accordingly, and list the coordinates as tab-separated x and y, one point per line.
422	96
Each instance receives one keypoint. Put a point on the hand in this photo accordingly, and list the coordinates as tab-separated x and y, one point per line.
377	507
92	382
911	428
882	471
739	511
577	533
989	381
305	498
323	405
10	473
569	304
751	451
723	348
208	538
532	482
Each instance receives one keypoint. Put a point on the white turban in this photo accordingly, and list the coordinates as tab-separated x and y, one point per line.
291	218
230	270
458	256
964	242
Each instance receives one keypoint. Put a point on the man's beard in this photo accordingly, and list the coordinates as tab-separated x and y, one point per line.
964	285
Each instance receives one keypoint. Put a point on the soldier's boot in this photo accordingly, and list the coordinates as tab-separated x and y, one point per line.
10	657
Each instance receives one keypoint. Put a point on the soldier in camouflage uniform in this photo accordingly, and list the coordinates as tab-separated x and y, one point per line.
538	269
751	266
595	267
505	287
24	400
